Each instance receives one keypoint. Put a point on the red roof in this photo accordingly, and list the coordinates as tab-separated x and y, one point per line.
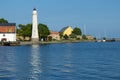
53	32
7	29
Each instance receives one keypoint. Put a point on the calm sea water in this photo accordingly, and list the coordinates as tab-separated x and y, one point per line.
69	61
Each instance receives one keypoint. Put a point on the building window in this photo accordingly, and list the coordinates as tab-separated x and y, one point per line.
3	34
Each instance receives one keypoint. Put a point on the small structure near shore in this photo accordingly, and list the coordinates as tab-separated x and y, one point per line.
54	36
7	32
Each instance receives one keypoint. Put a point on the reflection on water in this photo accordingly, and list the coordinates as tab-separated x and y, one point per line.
68	67
68	63
35	63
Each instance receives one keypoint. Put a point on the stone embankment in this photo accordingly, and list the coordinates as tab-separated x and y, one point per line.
18	43
54	42
9	43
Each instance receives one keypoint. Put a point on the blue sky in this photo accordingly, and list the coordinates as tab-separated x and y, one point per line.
95	17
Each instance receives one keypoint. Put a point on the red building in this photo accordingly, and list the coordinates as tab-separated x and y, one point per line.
7	32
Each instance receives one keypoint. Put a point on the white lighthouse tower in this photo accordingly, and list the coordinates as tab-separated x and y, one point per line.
35	37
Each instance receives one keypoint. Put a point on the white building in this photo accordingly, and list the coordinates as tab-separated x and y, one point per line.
54	35
7	32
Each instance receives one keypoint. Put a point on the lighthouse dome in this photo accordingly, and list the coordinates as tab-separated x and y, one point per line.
34	11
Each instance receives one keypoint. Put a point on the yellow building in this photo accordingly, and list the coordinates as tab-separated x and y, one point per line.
66	30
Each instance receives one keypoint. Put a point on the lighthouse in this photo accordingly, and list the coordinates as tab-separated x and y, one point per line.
35	37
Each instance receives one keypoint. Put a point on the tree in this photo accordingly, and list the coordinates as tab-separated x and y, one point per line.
2	20
77	31
65	37
43	31
61	35
25	30
72	35
50	38
84	37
